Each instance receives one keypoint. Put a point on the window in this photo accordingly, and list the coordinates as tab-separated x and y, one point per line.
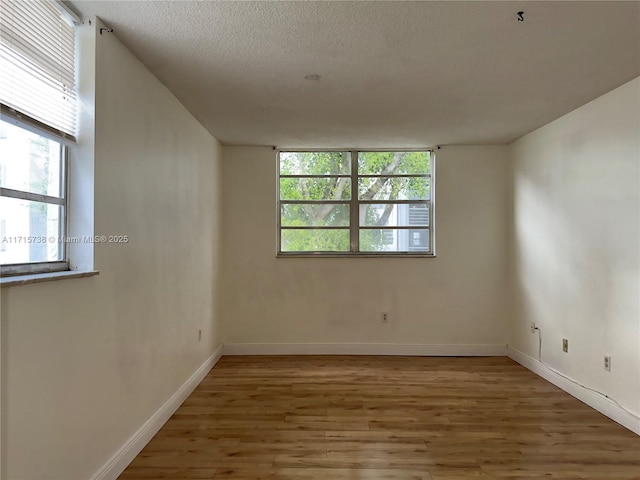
356	203
37	124
32	201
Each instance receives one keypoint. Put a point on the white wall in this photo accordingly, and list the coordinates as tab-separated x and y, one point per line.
87	361
576	185
457	298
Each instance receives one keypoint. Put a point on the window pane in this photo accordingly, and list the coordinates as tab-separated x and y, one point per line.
32	231
332	188
394	215
394	240
29	162
394	163
311	240
315	215
315	163
394	188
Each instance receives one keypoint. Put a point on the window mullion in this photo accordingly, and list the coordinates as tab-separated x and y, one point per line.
355	214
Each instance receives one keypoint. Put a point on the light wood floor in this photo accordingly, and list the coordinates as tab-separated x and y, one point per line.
384	418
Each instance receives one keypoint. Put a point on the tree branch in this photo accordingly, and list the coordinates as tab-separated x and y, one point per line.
338	190
382	181
387	211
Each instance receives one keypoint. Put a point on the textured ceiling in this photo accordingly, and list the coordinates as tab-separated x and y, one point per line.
391	73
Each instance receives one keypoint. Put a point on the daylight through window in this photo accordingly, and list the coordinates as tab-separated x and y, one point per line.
356	202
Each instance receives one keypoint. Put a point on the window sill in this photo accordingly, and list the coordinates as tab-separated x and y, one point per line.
16	280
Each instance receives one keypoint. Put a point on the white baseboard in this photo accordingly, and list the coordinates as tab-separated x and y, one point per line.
127	452
596	401
364	349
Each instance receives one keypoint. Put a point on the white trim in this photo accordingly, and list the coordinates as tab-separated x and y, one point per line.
364	349
128	451
596	401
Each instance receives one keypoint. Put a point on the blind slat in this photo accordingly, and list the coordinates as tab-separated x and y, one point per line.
53	50
37	63
61	68
25	65
45	23
38	29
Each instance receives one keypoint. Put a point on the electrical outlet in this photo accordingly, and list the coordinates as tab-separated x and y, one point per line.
607	363
533	327
199	335
565	345
384	317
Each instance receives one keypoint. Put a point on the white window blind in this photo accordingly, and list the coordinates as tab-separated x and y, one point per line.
37	63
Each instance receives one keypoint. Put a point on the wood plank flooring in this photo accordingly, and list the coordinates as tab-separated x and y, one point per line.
384	418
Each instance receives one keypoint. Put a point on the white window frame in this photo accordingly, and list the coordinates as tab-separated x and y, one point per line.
354	203
27	123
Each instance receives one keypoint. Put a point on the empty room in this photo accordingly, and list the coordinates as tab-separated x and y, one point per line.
328	240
